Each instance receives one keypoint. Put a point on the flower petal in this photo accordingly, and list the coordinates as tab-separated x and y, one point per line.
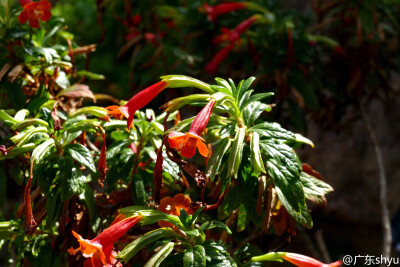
34	22
203	150
189	149
177	140
23	17
45	15
24	2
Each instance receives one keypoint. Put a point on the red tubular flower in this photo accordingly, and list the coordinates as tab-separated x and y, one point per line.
188	142
234	35
99	250
103	159
173	206
214	11
212	67
305	261
33	11
136	102
290	51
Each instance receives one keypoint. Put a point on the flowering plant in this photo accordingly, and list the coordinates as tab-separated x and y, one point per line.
116	182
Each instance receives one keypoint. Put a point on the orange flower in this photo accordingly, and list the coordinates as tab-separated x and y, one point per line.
173	206
33	11
305	261
99	250
188	142
136	102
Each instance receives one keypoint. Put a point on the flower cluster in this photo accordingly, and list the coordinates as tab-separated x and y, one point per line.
173	206
99	250
34	11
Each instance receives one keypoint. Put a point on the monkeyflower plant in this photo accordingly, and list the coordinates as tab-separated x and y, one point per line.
246	172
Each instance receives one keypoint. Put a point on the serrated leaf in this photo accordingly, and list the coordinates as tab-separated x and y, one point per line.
256	97
195	257
72	180
273	130
253	111
256	158
314	189
290	192
82	155
235	155
214	163
244	99
41	150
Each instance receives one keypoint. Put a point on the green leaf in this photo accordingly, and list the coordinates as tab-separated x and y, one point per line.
181	126
225	84
244	100
243	218
7	119
290	192
138	190
283	166
231	202
195	257
93	110
160	256
213	165
40	97
256	158
82	155
235	155
256	97
214	224
217	254
90	203
151	216
72	180
302	139
178	81
273	130
314	189
39	152
133	248
28	122
179	102
253	111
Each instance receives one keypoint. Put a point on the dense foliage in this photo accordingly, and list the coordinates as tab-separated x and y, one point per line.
75	167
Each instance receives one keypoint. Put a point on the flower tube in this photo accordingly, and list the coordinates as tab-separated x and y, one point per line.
99	250
214	11
136	102
187	143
